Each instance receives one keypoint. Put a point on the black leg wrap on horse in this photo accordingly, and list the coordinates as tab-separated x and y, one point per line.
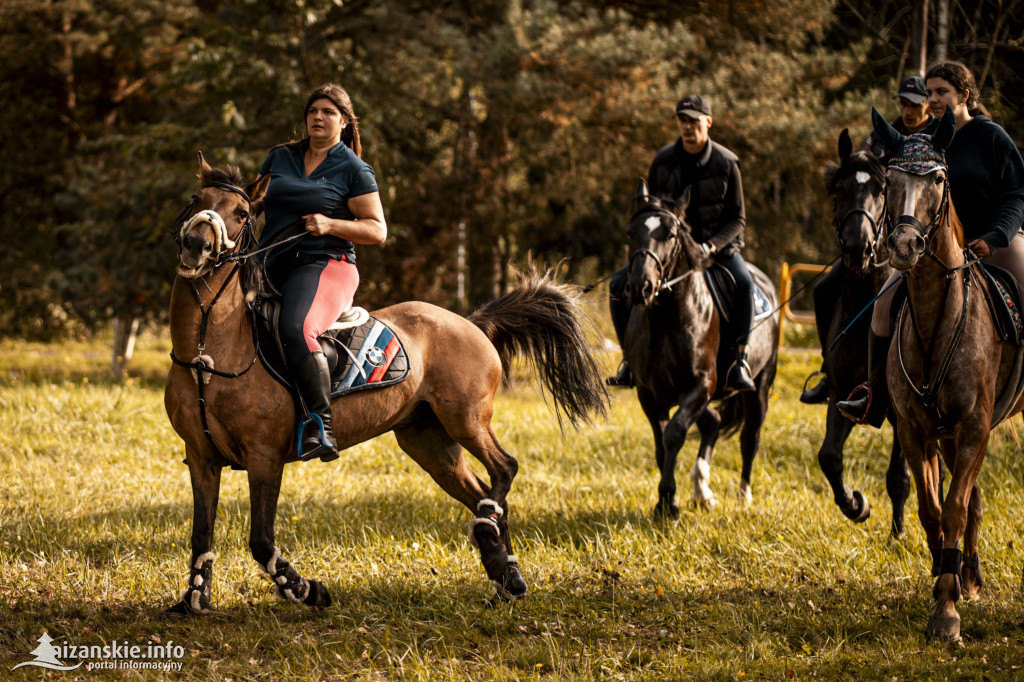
292	586
952	564
196	596
974	563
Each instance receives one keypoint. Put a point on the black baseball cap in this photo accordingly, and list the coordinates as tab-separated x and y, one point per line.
913	89
693	106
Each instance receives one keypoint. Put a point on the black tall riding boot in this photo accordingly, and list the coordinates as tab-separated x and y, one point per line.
619	307
869	402
313	378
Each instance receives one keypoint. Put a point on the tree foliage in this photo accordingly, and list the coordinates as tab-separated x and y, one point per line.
525	122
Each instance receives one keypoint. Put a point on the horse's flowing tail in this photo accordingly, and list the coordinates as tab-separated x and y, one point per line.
544	324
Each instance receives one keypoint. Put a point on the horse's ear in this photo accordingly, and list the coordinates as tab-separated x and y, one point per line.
845	145
889	136
204	169
683	202
945	132
256	191
642	194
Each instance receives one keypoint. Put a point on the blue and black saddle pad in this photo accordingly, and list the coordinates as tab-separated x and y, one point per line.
361	358
372	357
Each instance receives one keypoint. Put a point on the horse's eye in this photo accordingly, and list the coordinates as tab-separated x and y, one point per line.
939	179
241	215
629	233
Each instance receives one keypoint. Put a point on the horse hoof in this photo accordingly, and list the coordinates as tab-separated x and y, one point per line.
743	493
666	510
512	585
861	508
179	610
944	628
318	595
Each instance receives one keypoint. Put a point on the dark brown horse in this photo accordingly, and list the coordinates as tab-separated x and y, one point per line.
672	346
946	367
857	187
445	404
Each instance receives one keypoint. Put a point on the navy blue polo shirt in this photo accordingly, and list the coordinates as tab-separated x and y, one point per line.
291	195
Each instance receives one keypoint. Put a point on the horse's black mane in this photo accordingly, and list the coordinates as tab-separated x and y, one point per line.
858	162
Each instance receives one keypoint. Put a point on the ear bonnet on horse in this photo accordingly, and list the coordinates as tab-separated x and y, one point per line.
919	153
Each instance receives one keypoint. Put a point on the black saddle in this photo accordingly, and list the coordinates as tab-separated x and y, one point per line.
362	352
722	286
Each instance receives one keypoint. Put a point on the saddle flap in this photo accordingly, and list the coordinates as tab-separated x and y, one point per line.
1001	294
722	286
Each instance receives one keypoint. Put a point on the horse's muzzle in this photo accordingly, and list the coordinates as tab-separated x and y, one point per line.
643	293
906	245
196	254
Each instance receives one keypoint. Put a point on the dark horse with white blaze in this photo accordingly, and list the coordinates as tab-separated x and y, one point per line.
947	365
444	405
672	345
857	188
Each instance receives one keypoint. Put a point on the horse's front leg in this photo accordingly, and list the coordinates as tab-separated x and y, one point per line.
964	463
690	408
264	489
205	493
853	504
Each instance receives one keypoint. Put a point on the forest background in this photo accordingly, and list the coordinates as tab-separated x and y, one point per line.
497	128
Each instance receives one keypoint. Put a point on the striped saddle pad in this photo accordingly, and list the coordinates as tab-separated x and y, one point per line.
371	357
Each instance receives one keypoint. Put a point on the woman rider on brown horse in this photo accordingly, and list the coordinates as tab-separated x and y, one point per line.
319	184
986	184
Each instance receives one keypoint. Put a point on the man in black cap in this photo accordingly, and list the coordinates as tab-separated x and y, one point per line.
716	215
915	114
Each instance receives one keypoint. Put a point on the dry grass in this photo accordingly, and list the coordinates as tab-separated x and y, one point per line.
95	515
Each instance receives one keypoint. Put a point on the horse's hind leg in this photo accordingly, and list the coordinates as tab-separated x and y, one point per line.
897	484
428	442
709	424
264	490
205	493
755	409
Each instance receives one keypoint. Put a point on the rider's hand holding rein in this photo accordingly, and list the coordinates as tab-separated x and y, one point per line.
980	248
368	227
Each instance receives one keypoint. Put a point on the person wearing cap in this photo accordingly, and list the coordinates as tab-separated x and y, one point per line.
985	173
915	114
915	117
716	216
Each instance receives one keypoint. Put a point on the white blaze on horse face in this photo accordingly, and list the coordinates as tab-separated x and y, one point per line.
862	178
652	223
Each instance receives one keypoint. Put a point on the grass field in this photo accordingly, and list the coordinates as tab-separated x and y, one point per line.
95	515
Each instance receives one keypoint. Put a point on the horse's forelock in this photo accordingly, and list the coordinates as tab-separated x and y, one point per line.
230	175
859	162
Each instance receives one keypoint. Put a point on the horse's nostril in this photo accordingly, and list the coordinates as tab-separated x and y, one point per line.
918	244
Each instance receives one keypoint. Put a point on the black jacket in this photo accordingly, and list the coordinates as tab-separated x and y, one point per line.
986	182
716	212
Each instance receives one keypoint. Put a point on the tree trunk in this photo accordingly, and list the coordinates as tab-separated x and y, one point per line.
124	344
942	30
919	38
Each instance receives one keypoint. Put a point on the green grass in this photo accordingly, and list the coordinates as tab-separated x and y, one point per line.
95	515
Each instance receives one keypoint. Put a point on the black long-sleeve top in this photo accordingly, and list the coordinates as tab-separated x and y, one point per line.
716	212
986	182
